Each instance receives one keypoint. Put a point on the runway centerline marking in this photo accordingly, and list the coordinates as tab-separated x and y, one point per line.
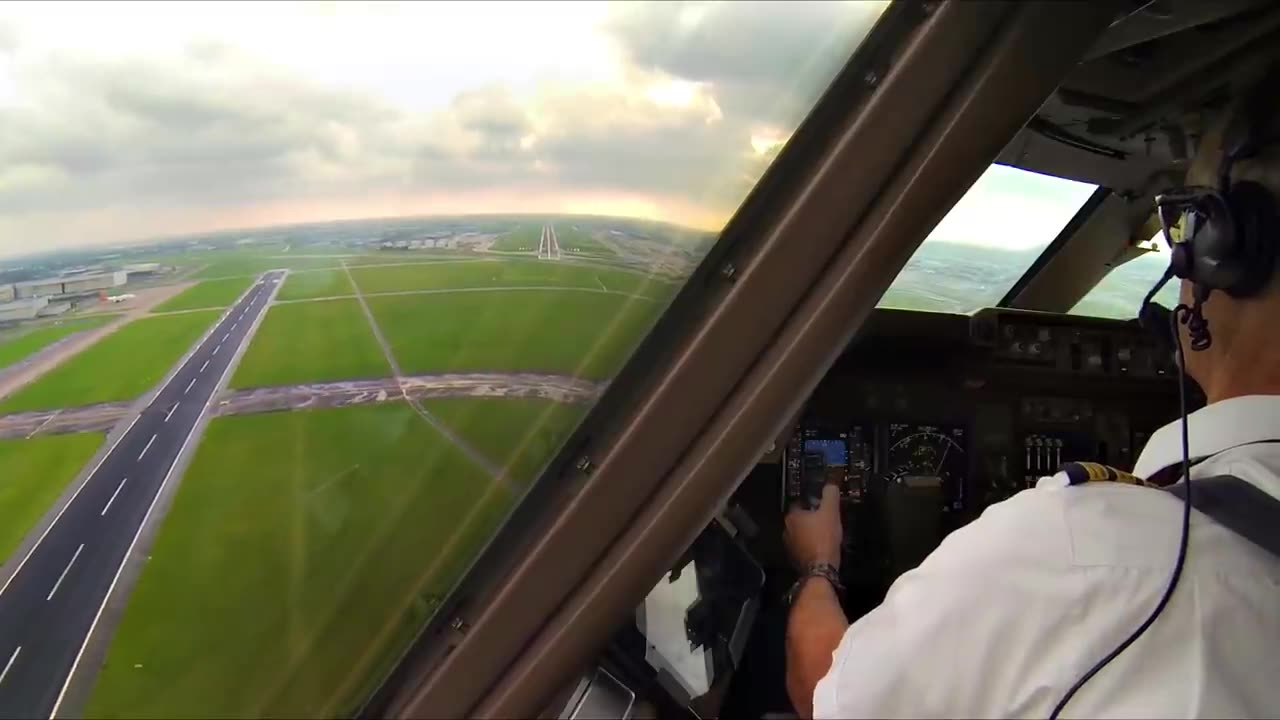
215	350
9	664
170	413
148	447
65	570
193	382
224	337
119	487
205	365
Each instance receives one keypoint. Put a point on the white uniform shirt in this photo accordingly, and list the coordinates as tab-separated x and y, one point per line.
1012	609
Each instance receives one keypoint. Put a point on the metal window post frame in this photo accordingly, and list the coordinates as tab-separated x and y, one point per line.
962	84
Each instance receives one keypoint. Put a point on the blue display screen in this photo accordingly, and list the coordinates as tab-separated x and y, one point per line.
834	452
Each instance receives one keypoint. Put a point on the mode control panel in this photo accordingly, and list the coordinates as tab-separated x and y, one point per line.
1072	345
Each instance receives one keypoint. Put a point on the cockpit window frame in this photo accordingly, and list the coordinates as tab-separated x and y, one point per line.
701	292
1059	242
866	210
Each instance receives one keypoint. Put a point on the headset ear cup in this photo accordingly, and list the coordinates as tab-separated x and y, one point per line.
1256	224
1181	260
1210	257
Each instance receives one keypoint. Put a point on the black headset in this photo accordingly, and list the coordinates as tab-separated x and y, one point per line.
1230	233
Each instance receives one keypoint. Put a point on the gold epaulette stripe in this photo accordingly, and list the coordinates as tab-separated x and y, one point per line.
1079	473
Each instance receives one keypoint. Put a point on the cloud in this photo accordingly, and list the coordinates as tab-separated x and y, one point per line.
146	134
189	122
764	60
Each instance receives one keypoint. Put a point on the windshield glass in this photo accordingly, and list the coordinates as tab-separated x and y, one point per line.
297	300
986	242
1119	294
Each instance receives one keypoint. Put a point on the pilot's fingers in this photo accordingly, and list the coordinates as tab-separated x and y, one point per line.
830	498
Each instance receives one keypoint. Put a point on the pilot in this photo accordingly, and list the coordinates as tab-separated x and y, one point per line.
1011	611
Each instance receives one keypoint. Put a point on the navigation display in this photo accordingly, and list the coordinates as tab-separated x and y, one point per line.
834	451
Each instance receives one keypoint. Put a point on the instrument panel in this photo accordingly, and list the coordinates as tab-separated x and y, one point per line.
817	456
927	419
864	460
922	423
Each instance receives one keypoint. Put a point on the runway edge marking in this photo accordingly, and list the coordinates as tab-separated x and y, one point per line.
177	461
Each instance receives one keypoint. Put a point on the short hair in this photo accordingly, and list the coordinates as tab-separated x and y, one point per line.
1254	101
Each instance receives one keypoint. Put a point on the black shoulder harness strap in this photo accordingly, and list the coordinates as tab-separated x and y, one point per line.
1237	505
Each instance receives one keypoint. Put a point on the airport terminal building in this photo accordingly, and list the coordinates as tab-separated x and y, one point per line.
30	299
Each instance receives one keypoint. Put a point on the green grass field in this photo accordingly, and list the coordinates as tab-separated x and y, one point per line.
506	273
34	473
187	258
519	434
524	238
121	366
301	554
208	294
315	284
576	333
396	257
574	239
311	342
905	299
251	265
23	343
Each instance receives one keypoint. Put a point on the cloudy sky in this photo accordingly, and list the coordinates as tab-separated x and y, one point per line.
128	121
125	121
1012	209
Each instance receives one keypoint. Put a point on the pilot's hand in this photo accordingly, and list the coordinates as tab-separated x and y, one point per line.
814	536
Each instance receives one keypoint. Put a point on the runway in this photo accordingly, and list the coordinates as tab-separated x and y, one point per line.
549	244
50	605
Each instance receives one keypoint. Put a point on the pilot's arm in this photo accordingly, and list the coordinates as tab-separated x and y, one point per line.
816	622
966	634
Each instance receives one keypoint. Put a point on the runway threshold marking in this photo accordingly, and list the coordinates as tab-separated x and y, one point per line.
65	570
148	447
9	664
119	487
